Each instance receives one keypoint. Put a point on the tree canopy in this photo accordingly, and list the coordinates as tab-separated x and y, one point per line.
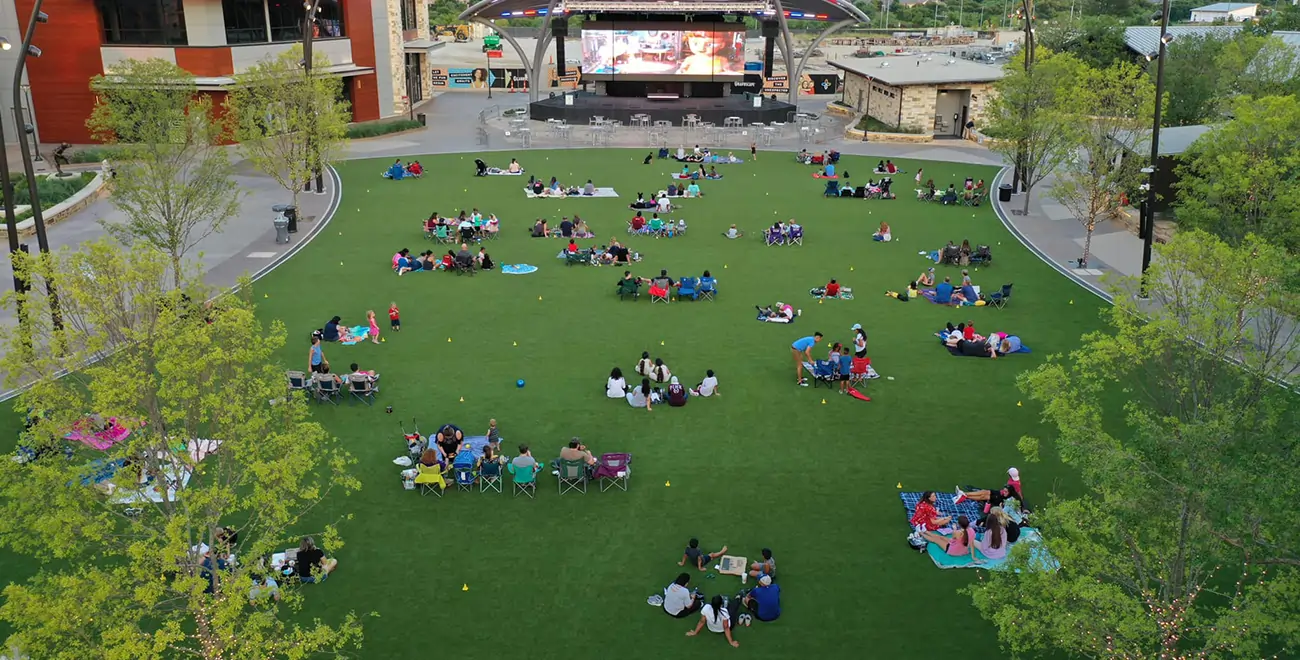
161	477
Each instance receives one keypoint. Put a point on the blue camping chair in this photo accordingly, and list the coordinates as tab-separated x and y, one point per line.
832	189
688	286
708	288
395	172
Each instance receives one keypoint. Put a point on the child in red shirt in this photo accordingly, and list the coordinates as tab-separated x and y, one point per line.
394	318
832	290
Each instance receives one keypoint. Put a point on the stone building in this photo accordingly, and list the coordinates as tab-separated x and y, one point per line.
927	93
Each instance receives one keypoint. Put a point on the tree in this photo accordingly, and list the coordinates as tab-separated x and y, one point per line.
289	122
1097	41
1257	66
1184	545
1111	107
1240	178
1192	80
173	180
1029	119
128	518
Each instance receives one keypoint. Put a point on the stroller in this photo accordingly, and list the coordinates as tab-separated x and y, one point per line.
415	443
482	167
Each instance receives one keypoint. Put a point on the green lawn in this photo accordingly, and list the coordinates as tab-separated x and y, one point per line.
765	464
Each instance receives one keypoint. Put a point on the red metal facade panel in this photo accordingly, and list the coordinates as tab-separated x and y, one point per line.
60	79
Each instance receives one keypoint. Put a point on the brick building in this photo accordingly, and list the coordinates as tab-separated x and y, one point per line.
379	47
920	93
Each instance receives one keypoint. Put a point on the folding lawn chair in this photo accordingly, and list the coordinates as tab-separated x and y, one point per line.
465	478
298	382
796	236
982	257
858	369
525	481
463	267
443	235
362	388
489	476
999	298
664	297
581	257
823	373
573	476
708	288
327	389
629	288
688	287
614	471
773	237
430	479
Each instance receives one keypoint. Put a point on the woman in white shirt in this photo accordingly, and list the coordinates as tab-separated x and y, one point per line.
616	387
660	372
639	397
645	364
707	387
718	620
859	341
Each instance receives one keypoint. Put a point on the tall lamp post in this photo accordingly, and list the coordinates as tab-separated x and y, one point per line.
308	32
1027	9
1148	225
11	219
42	241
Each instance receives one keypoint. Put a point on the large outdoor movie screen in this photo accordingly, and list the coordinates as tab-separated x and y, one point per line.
704	51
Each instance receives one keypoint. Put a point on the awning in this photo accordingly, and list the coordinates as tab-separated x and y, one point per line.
422	45
218	83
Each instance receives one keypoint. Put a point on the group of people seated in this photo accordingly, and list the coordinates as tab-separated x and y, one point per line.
887	167
482	168
576	228
721	615
688	173
470	227
697	155
648	393
662	286
872	189
971	194
778	313
965	340
963	255
784	233
824	158
655	226
397	171
404	262
962	537
557	189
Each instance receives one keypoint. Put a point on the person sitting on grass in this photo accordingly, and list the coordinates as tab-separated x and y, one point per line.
679	601
883	234
766	568
616	386
660	373
395	171
927	278
540	230
831	290
778	313
449	437
713	173
718	619
645	365
993	545
677	393
589	189
640	396
312	565
764	600
926	517
944	292
514	167
733	232
949	195
708	386
693	190
700	560
414	168
484	260
580	228
960	542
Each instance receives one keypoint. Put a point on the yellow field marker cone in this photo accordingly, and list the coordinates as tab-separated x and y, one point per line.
382	340
462	399
1071	302
516	343
539	297
900	485
449	340
1019	404
340	263
819	301
266	295
667	484
823	402
464	587
850	268
661	342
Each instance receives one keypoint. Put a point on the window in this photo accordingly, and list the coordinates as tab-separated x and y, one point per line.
408	15
262	21
245	21
151	22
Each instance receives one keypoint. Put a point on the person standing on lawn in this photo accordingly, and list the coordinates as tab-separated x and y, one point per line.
801	349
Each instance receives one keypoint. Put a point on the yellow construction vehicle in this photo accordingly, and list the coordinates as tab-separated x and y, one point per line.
459	32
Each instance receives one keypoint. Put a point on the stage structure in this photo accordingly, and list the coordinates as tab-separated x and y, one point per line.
665	57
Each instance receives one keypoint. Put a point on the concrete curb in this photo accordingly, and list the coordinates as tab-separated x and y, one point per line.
1011	227
79	200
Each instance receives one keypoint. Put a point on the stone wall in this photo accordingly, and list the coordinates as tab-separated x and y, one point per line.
872	97
397	55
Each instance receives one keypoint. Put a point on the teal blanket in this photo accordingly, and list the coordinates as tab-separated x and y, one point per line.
1039	557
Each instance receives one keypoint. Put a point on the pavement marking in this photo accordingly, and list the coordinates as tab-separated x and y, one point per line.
262	255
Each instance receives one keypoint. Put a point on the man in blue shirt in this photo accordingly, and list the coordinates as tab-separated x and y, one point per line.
943	292
765	600
802	351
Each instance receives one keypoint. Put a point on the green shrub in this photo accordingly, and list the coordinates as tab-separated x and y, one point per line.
874	125
371	129
51	191
94	154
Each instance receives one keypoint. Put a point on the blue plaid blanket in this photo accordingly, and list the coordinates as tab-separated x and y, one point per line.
969	508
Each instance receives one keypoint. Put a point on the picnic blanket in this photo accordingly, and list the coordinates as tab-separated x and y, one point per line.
600	192
819	175
490	172
101	439
969	508
357	334
952	350
517	269
762	318
1039	557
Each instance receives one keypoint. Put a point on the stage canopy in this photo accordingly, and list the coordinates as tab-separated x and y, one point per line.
800	10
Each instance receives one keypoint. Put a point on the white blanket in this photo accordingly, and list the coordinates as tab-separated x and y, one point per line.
504	173
600	192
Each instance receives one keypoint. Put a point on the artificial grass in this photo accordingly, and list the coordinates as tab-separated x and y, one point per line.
764	464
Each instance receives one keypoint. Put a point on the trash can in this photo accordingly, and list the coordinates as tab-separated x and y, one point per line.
1004	192
419	116
290	212
281	224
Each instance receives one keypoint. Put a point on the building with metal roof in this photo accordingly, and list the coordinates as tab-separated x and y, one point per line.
1145	39
1232	12
920	93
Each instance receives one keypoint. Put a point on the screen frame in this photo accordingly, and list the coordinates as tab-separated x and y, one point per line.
667	26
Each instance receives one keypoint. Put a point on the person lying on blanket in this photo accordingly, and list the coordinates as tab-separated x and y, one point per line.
1012	490
980	348
926	517
909	293
1008	343
927	278
960	542
778	313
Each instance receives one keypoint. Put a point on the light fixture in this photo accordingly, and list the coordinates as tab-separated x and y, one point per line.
42	17
1166	38
1152	56
1148	170
4	44
33	51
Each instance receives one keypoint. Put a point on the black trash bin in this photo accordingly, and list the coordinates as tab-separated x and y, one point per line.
1004	192
290	213
419	116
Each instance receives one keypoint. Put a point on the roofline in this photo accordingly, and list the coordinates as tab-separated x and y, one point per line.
961	79
475	10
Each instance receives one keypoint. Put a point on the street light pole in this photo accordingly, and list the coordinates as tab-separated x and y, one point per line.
1149	225
7	186
1018	175
308	32
33	187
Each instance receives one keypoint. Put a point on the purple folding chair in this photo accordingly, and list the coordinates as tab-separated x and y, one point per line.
613	470
774	237
796	236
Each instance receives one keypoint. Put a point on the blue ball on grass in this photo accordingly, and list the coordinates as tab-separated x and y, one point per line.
519	383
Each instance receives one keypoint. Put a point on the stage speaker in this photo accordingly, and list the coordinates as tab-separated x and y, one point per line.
769	54
771	29
560	68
